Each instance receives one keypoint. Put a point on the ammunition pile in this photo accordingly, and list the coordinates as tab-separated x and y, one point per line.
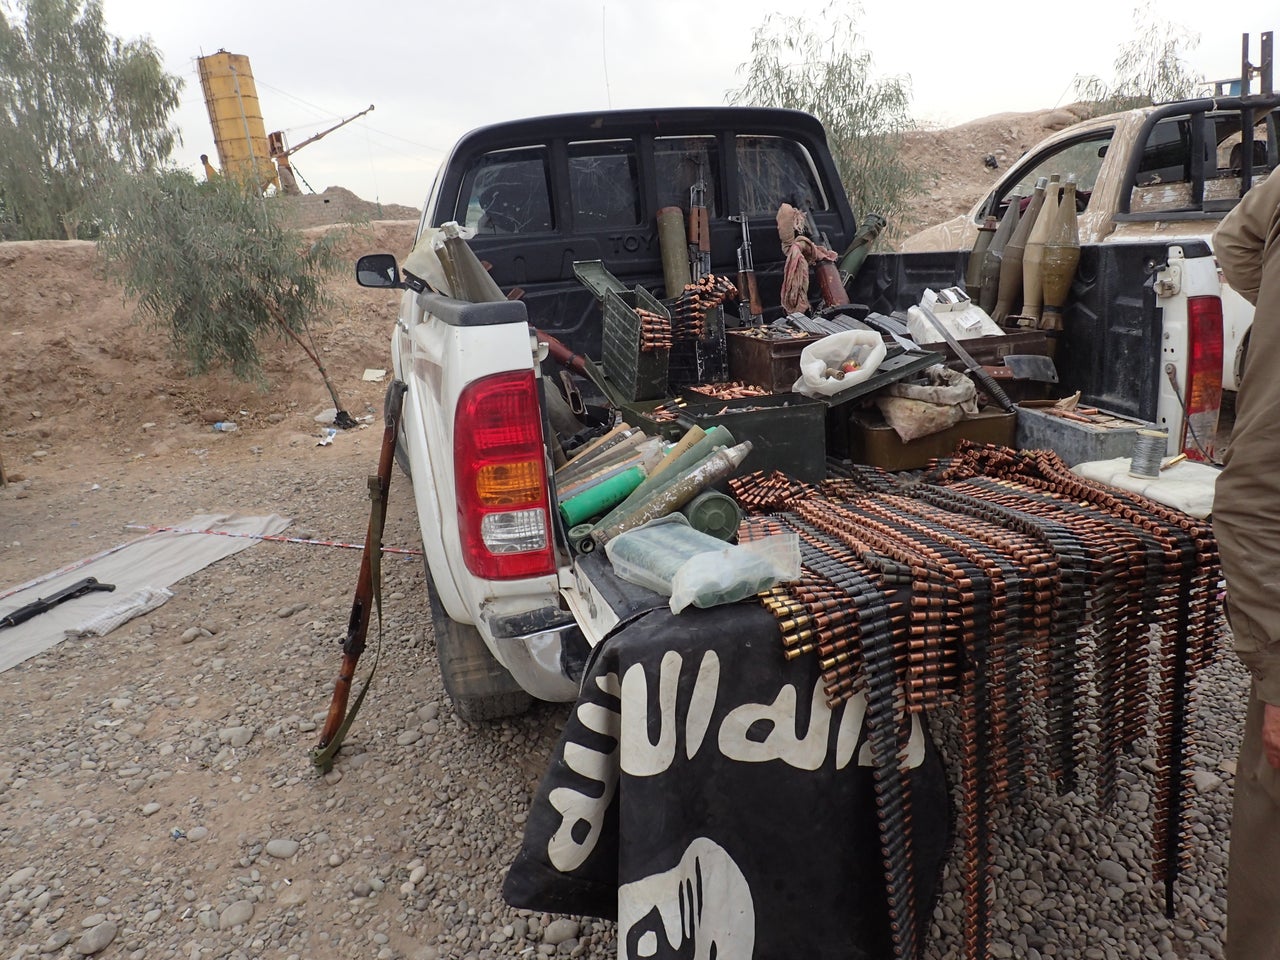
762	492
689	310
655	330
775	332
667	411
736	390
1032	598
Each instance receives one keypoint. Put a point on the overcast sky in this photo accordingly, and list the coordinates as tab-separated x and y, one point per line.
435	70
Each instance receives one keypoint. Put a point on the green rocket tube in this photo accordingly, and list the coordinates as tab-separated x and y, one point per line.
716	436
672	497
599	498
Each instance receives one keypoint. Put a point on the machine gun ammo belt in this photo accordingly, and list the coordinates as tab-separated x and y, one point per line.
1006	586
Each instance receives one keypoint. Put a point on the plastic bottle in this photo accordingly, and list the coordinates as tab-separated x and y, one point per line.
226	426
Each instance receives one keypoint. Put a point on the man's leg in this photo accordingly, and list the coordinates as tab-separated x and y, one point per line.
1253	876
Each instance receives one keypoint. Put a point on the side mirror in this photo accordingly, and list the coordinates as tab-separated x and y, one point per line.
378	270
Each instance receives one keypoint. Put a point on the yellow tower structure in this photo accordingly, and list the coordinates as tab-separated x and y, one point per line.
239	133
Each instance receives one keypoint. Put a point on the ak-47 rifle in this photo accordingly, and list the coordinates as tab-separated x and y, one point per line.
368	594
749	309
699	229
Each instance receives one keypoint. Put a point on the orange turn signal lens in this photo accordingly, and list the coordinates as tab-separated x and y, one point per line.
509	484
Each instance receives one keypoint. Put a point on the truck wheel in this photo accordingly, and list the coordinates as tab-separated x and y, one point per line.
478	685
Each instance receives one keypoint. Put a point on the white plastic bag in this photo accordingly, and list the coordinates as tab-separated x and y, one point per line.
864	347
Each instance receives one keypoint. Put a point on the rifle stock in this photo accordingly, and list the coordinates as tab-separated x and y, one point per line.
367	593
562	354
699	231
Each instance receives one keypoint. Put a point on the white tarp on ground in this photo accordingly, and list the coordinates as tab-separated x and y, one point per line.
155	560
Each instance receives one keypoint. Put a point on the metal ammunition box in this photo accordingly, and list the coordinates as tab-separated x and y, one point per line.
1073	441
773	364
862	436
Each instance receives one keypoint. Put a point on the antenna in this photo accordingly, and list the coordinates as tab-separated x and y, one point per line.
604	56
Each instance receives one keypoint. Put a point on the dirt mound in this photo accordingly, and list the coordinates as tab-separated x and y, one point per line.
339	205
83	382
959	164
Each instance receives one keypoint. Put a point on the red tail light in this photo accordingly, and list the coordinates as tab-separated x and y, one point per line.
1203	394
503	511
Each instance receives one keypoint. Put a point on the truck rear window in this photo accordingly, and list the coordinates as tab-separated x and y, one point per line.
772	171
681	162
1167	180
508	191
604	183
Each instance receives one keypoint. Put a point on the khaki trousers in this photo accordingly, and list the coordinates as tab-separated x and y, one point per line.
1253	876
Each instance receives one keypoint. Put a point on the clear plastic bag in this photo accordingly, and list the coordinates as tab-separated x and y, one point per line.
864	347
669	557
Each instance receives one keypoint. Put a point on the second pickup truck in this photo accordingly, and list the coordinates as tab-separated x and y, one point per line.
1162	173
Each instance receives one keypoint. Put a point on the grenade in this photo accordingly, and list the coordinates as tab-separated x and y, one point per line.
1011	265
973	270
1061	257
995	255
1033	255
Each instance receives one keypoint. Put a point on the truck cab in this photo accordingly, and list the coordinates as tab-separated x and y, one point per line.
545	192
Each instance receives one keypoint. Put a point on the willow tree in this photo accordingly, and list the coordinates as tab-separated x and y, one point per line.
831	75
212	265
1150	68
76	105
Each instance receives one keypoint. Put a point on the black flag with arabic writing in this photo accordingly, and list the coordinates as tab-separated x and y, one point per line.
704	796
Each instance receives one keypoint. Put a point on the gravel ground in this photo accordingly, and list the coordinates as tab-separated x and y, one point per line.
156	798
1075	881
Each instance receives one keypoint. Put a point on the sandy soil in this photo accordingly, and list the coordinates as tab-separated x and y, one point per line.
959	164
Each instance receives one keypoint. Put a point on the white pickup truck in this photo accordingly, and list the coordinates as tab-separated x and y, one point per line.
515	611
1167	172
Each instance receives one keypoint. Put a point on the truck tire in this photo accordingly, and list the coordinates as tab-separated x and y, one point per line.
479	687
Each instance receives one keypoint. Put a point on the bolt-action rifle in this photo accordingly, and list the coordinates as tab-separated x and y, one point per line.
368	594
749	309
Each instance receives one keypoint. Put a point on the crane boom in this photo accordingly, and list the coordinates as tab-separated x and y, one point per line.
278	149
